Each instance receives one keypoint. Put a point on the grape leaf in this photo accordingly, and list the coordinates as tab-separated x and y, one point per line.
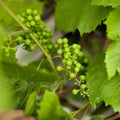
112	59
113	24
30	104
5	88
113	3
50	108
17	7
100	88
79	14
26	79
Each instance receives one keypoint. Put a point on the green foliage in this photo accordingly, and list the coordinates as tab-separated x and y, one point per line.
113	24
96	118
113	3
79	14
31	104
112	59
100	88
16	7
50	108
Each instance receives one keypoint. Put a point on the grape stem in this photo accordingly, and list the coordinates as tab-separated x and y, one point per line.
31	34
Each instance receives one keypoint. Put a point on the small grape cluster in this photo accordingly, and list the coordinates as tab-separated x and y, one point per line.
31	19
74	63
10	46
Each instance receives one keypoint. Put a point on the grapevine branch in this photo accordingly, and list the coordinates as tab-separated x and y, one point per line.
31	34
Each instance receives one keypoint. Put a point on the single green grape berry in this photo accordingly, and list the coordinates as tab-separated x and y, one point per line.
29	11
32	47
78	65
64	61
18	16
59	68
69	62
82	77
59	51
74	46
66	49
14	49
72	75
56	45
65	45
19	39
85	60
66	56
29	17
76	51
37	18
75	91
80	54
83	86
65	40
76	69
68	67
32	23
59	41
35	12
50	46
22	19
27	42
27	24
6	50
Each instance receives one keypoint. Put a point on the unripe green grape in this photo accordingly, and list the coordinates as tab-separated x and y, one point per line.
83	86
35	12
75	91
59	68
68	67
50	46
27	42
69	62
74	46
66	56
81	54
27	24
37	18
65	45
82	77
65	40
56	45
23	14
22	19
29	11
32	23
32	47
85	60
18	16
76	51
66	49
76	69
78	65
29	17
59	51
64	61
19	39
72	75
59	41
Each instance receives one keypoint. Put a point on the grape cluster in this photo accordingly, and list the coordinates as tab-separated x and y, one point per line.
31	19
74	62
9	46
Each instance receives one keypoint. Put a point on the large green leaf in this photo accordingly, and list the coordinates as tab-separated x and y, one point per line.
5	88
112	59
113	24
71	15
100	88
26	79
113	3
50	108
17	8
